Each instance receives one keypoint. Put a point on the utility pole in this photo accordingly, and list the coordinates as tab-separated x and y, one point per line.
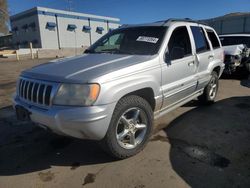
4	16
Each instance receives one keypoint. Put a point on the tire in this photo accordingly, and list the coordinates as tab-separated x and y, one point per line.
119	141
210	91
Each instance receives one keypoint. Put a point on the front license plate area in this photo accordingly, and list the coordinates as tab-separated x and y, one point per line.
22	114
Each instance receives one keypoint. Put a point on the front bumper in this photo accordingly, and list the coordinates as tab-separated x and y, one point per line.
81	122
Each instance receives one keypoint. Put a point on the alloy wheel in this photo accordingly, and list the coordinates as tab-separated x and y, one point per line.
131	128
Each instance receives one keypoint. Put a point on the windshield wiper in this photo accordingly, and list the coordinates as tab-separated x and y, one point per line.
87	51
110	51
117	51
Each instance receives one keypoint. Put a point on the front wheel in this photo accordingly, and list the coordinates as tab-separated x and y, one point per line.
130	127
210	91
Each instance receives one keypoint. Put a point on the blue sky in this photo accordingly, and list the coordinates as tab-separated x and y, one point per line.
139	11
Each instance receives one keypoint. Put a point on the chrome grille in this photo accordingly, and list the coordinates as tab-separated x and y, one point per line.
36	92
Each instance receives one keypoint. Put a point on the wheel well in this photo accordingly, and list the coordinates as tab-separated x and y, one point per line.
217	70
145	93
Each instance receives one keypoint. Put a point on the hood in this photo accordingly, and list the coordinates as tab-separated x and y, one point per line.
83	68
234	49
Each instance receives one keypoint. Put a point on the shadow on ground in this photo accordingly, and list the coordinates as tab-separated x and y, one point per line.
210	145
242	75
245	83
26	148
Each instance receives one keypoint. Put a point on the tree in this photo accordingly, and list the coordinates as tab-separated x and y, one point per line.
4	16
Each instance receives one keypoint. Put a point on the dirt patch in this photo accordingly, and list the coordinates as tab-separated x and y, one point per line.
140	186
46	176
159	138
205	155
201	153
89	178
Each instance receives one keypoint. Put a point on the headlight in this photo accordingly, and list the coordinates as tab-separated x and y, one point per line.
77	94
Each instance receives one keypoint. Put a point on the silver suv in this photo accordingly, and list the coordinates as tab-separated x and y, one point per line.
124	81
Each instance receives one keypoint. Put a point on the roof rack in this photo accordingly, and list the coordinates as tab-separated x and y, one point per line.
182	20
164	22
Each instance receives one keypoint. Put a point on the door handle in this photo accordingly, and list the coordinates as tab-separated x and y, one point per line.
210	57
191	63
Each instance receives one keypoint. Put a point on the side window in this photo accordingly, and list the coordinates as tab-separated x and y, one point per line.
179	44
213	38
201	43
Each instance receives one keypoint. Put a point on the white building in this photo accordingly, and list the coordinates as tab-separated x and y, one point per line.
55	29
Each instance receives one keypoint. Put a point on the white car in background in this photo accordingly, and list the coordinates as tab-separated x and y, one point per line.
237	52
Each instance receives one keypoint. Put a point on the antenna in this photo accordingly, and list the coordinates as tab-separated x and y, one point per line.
70	5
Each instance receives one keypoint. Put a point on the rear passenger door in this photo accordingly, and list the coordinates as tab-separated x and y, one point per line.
178	70
216	46
203	55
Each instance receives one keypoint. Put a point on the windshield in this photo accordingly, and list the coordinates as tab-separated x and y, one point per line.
234	40
136	40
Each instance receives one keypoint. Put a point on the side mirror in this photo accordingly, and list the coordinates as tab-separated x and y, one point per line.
177	53
167	58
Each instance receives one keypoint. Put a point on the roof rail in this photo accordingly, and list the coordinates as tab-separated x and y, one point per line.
164	22
183	20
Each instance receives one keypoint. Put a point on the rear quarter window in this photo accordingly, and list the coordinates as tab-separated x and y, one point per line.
213	38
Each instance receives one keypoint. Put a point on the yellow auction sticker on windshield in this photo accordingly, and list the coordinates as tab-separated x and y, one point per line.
147	39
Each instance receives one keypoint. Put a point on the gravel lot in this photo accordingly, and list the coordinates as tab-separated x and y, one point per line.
193	146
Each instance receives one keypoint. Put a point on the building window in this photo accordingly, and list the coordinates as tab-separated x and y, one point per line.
99	30
51	26
71	27
86	28
25	27
34	43
25	44
15	30
18	44
33	26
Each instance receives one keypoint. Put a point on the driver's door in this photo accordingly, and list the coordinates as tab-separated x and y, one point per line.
179	69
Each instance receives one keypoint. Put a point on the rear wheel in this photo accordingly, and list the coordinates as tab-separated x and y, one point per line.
210	91
130	127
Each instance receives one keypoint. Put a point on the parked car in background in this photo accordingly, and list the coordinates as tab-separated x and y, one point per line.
237	50
124	81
